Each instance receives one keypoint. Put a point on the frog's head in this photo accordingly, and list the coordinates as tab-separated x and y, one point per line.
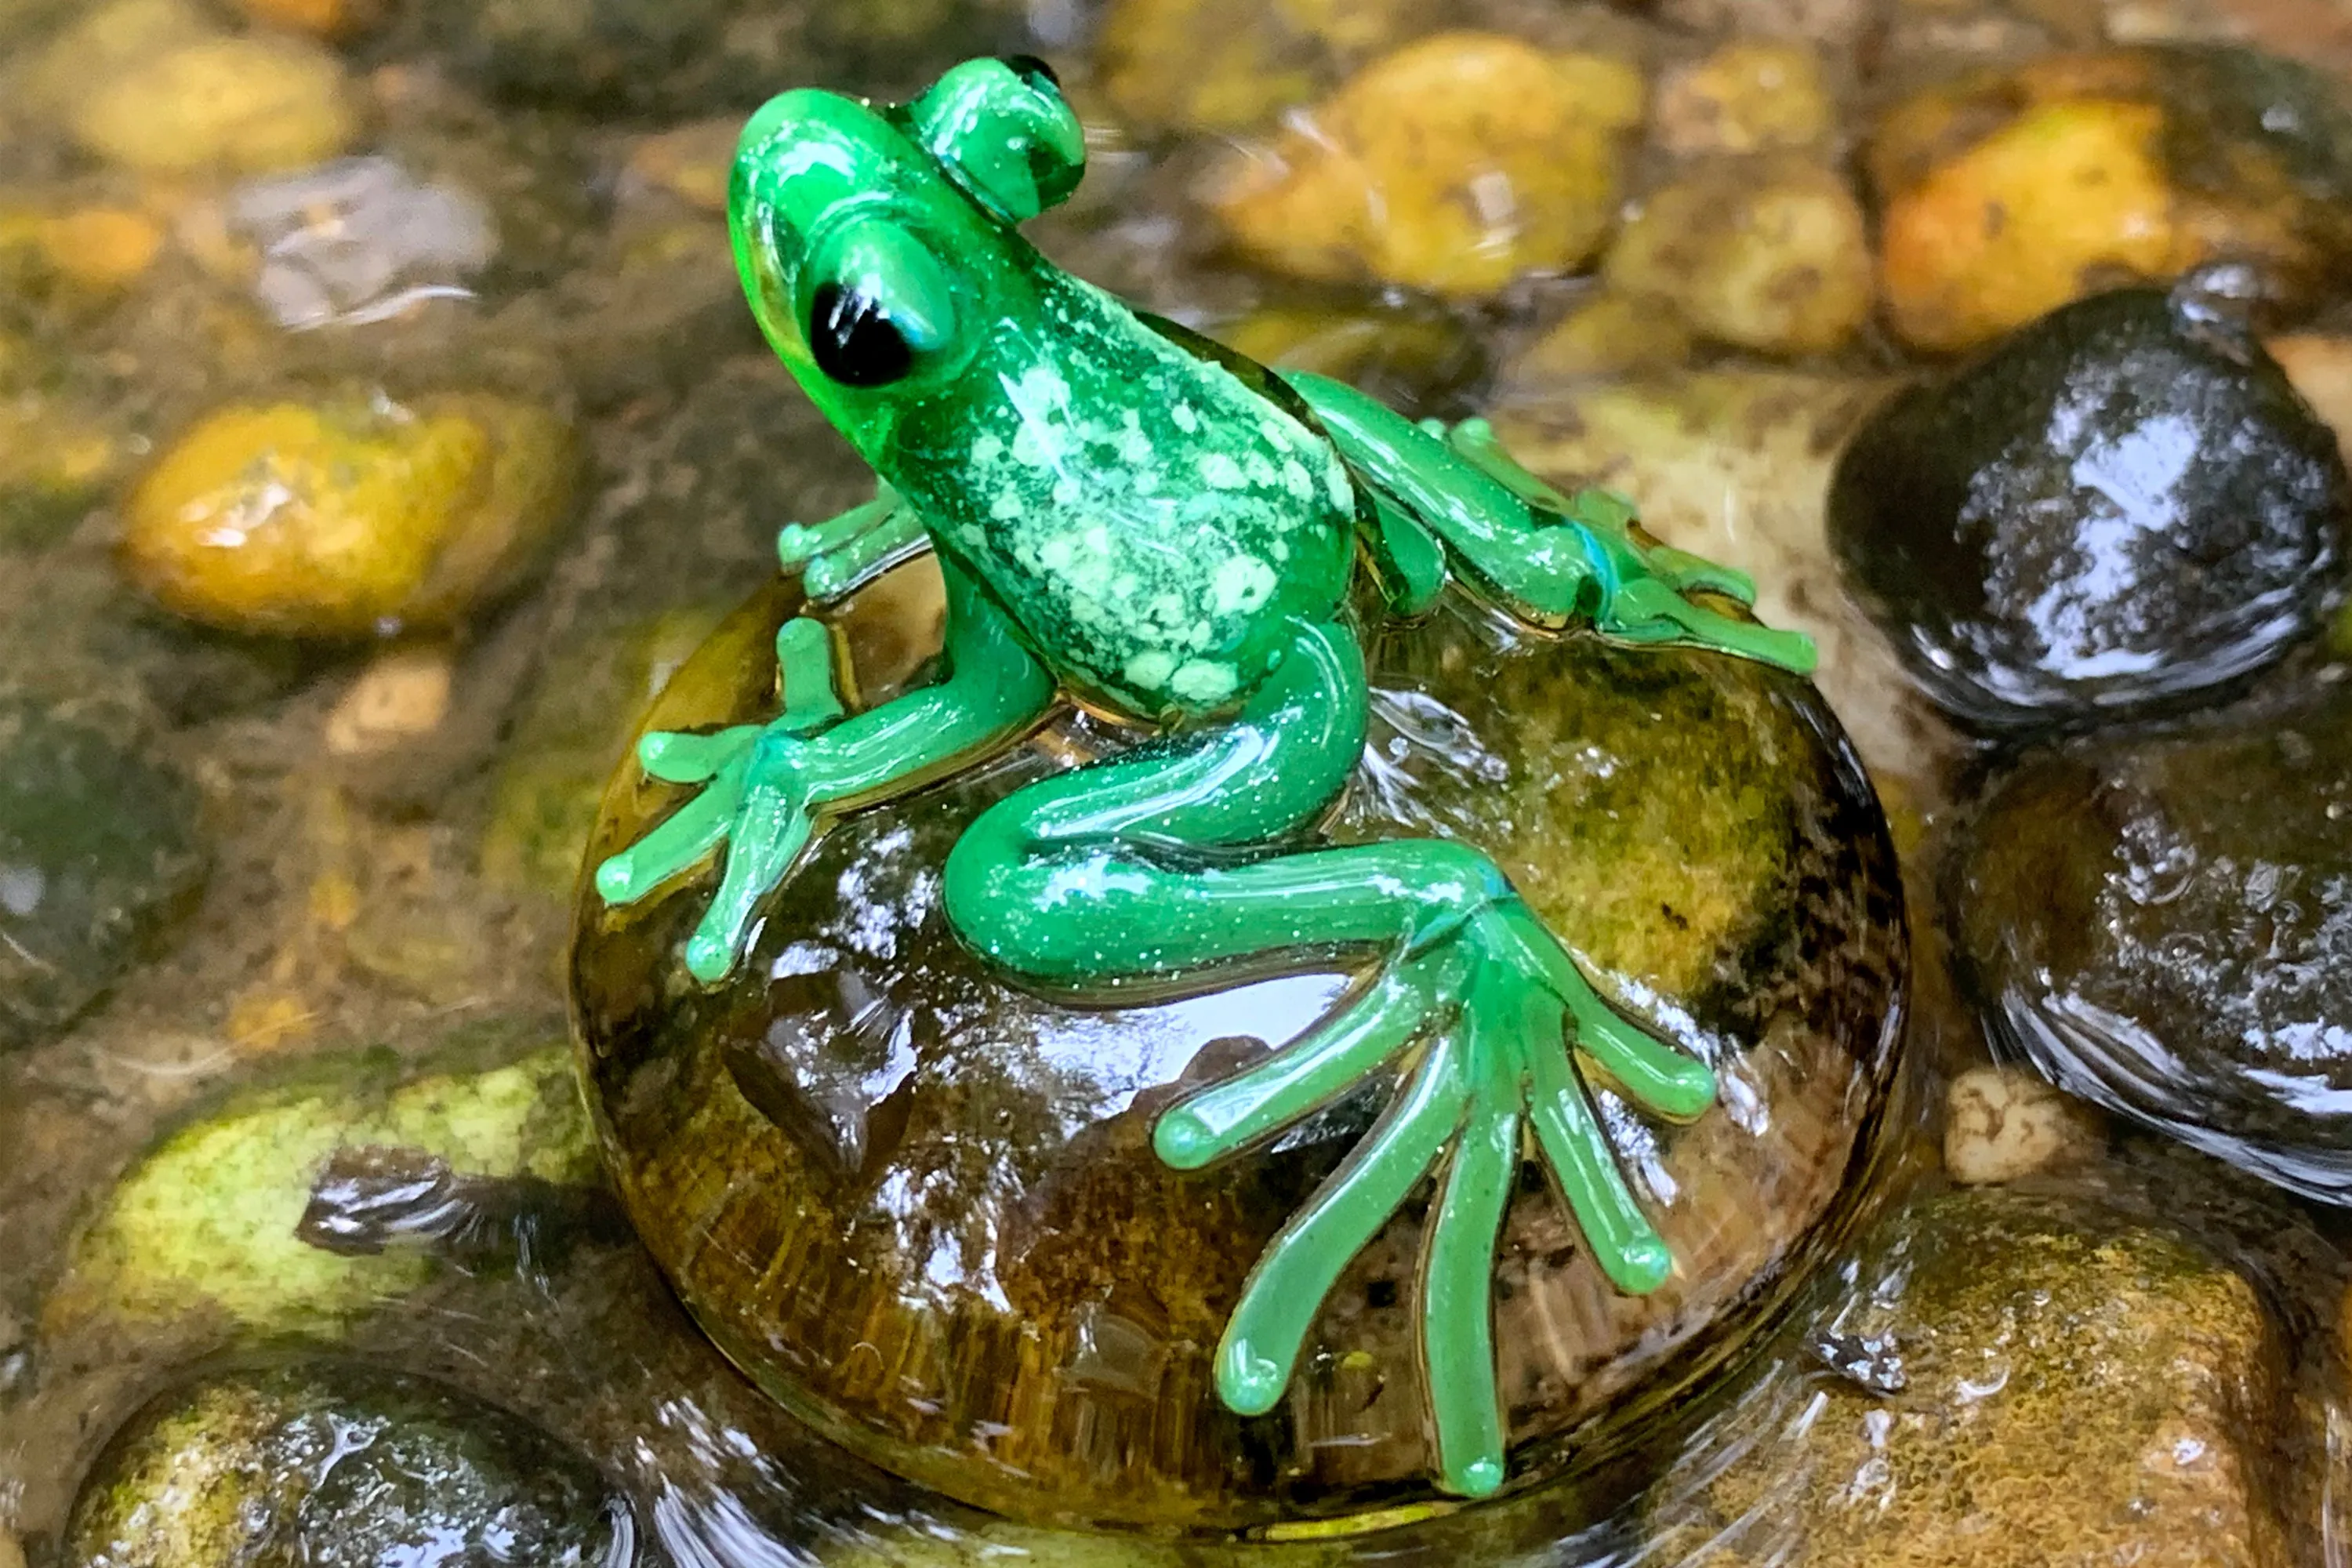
876	242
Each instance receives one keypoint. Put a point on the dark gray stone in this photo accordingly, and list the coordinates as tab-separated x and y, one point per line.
2123	507
99	849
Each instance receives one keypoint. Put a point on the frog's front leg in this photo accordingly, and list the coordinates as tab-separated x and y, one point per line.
844	554
1550	558
762	784
1093	877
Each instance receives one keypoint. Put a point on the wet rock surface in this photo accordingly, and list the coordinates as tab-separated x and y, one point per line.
997	1287
338	1465
2165	926
2123	507
100	849
2015	1379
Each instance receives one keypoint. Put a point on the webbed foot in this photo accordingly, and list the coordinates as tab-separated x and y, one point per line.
755	800
1632	588
1493	1005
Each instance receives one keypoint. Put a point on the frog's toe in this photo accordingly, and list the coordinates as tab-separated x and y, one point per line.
676	845
1457	1296
676	757
1652	612
770	827
1688	574
1287	1289
1623	1241
1312	1070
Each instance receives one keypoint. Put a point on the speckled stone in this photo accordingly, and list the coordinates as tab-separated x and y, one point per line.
335	1465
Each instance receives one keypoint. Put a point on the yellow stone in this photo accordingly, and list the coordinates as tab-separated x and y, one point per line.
1230	64
245	104
692	162
1452	165
401	694
1752	95
268	1019
108	42
354	518
2029	218
1770	254
1608	334
101	248
319	18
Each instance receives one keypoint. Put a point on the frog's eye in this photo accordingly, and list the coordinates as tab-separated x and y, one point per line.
1002	131
1039	76
884	303
855	341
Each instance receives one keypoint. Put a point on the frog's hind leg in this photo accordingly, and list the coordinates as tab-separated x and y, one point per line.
1134	867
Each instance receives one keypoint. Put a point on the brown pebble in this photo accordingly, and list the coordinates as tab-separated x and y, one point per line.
401	694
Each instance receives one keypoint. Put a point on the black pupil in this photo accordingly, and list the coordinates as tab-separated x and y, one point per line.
854	340
1033	71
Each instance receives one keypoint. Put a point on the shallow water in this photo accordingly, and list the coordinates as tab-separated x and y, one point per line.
392	821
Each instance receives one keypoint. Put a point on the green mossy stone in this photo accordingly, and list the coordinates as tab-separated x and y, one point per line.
100	849
335	1465
920	1207
2080	1387
207	1222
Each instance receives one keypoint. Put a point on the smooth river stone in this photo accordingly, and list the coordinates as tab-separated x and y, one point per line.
2164	926
920	1205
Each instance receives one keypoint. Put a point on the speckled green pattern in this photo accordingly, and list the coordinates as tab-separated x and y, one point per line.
1151	522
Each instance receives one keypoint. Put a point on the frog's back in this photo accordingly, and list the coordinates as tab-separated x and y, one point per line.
1149	520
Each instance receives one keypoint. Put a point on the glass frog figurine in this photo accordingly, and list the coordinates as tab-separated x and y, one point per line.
1131	518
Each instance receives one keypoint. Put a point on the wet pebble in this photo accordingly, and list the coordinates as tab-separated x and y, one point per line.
206	1227
1751	95
2077	1386
2007	193
2164	926
359	240
2003	1123
100	850
1452	165
336	1464
1770	254
400	695
352	516
2124	506
239	103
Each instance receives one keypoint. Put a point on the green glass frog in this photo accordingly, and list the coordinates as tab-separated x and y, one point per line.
1132	517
